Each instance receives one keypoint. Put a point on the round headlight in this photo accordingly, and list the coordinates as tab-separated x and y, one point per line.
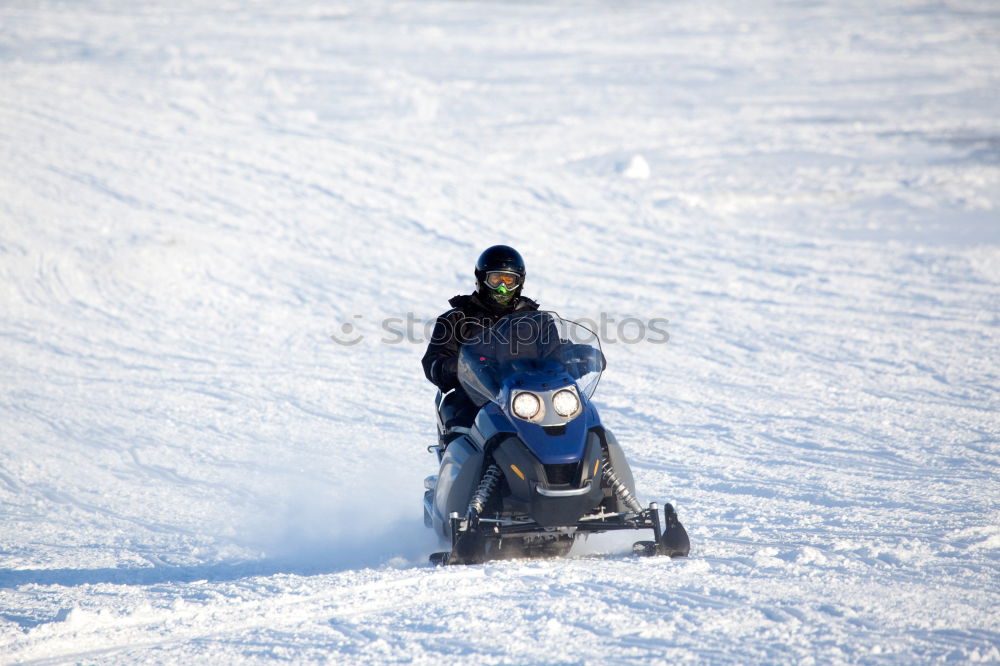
565	402
526	405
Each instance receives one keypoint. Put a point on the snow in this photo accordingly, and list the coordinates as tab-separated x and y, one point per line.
195	199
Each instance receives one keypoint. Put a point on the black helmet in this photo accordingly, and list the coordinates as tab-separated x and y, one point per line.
500	274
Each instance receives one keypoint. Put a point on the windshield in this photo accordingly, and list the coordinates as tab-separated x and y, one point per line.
529	343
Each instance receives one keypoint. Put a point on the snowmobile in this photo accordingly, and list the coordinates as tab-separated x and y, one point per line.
536	469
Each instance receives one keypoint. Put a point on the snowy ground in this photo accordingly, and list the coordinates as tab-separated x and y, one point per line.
195	197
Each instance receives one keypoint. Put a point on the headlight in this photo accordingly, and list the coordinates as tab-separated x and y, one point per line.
565	402
526	405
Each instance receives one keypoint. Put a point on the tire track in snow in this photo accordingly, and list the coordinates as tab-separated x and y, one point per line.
58	642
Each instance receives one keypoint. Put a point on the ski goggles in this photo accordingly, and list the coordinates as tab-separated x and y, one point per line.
497	279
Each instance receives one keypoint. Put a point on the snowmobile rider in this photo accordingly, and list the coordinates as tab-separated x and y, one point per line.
499	279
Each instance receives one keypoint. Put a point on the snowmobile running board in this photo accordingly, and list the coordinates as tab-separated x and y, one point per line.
672	542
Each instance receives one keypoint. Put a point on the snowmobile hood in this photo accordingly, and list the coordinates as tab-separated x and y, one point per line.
552	446
559	445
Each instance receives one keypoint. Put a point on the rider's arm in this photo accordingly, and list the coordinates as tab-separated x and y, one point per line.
581	358
441	358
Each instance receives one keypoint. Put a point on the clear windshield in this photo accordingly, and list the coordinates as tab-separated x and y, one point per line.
526	342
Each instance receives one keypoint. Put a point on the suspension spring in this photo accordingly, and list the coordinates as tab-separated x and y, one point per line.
482	495
619	488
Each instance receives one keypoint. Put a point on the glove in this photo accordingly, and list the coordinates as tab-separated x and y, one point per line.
446	371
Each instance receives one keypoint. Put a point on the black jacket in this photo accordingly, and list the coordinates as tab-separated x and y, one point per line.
467	316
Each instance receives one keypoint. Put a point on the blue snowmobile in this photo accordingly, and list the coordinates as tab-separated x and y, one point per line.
536	469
